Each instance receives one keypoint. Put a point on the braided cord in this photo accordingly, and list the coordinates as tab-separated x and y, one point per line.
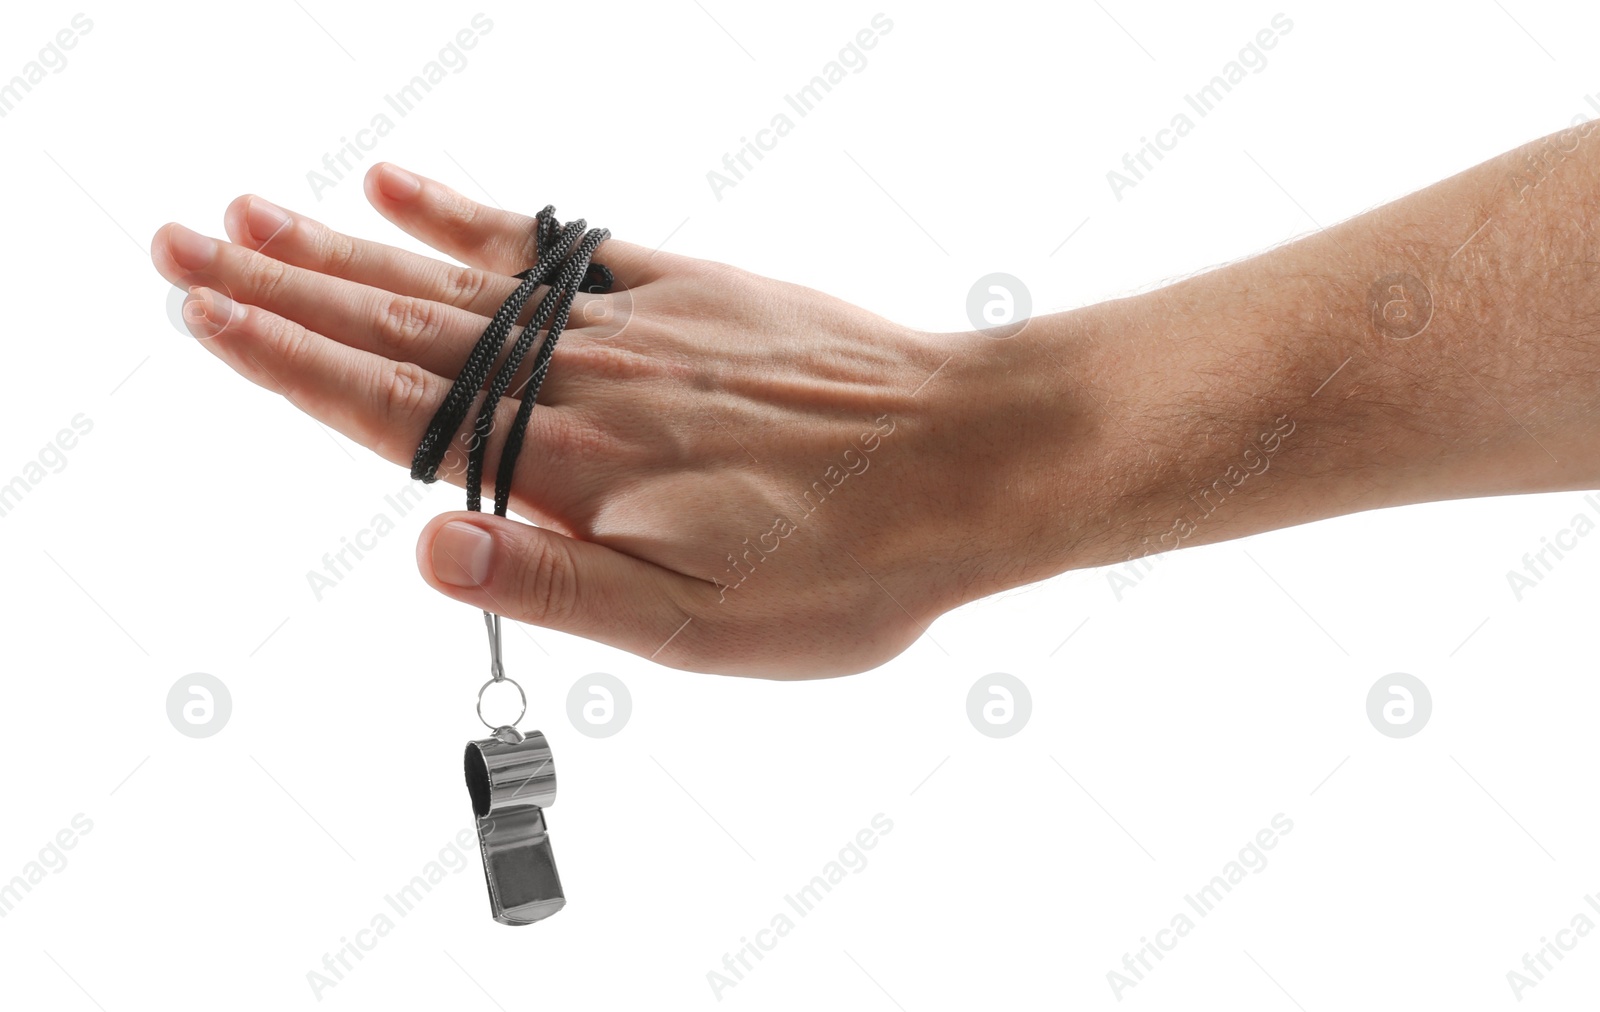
565	264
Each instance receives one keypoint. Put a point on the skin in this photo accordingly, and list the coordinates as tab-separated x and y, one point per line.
687	417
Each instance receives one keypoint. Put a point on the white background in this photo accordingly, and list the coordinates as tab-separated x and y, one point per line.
1226	688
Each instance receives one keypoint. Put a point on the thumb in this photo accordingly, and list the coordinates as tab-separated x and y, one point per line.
539	577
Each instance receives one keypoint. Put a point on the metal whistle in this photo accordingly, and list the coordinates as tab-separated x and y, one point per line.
512	779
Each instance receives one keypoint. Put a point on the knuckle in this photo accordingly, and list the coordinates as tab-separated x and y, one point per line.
405	321
264	276
547	582
406	392
463	285
293	345
339	252
460	213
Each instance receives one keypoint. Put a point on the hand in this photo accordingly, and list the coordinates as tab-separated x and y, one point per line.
738	475
729	473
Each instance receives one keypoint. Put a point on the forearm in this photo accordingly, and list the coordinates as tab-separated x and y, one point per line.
1441	346
764	480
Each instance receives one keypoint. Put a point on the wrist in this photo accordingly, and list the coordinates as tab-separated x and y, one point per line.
1031	434
1131	428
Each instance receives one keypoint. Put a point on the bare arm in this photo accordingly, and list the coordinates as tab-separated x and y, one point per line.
1443	346
734	474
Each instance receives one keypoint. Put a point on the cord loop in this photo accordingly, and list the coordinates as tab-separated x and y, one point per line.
565	264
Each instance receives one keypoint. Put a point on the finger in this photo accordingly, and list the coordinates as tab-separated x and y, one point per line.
381	404
578	587
403	328
258	224
486	237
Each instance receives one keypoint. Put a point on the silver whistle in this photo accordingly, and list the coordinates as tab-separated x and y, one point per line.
512	780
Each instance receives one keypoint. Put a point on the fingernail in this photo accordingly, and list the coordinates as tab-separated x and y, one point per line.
264	219
396	183
190	249
461	554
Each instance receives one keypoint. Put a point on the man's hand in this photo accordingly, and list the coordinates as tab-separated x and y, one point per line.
729	473
734	474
